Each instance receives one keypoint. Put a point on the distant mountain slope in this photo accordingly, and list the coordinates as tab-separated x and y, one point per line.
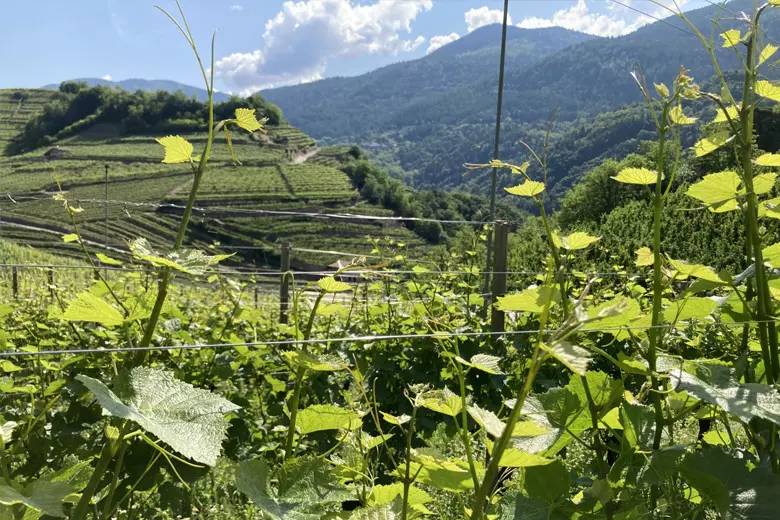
152	85
420	118
379	100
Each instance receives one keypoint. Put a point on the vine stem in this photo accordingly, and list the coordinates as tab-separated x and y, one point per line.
464	432
506	436
122	442
81	509
162	291
408	470
656	336
299	375
768	340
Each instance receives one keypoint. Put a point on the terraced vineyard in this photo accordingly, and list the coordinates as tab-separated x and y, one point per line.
280	171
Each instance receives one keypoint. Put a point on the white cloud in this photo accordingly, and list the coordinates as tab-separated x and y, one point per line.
245	69
305	34
237	7
438	42
476	18
579	17
107	77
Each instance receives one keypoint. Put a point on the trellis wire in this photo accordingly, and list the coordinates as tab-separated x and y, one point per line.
356	339
269	212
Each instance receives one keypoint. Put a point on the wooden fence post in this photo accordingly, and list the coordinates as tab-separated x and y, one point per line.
15	281
50	279
284	289
499	275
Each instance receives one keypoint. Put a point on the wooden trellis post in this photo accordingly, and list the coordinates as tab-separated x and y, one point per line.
499	275
284	289
50	280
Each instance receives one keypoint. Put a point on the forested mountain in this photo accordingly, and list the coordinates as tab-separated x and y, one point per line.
149	85
387	98
424	119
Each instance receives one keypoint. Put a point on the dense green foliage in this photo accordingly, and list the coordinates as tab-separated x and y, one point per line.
377	187
79	107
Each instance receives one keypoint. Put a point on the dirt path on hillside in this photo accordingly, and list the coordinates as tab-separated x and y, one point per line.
177	189
302	158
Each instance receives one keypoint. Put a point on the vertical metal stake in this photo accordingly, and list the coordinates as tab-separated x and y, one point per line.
494	176
15	281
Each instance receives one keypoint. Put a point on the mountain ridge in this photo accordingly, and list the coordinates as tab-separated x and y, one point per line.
152	85
428	136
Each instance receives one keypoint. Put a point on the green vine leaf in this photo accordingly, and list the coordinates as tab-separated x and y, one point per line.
317	363
42	496
576	241
715	384
644	256
191	261
768	159
177	149
521	169
245	118
495	426
302	489
90	308
612	314
443	473
690	308
711	143
736	490
389	511
762	183
514	458
188	419
731	38
573	357
442	401
527	189
700	271
386	493
772	255
768	90
331	285
731	112
533	299
636	176
397	420
72	237
718	191
323	417
549	483
107	260
677	116
484	362
767	52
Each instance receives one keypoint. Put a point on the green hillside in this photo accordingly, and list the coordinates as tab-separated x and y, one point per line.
267	180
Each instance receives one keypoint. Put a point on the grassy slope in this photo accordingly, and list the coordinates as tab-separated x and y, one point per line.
266	180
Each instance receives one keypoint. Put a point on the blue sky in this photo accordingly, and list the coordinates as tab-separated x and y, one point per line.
265	43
